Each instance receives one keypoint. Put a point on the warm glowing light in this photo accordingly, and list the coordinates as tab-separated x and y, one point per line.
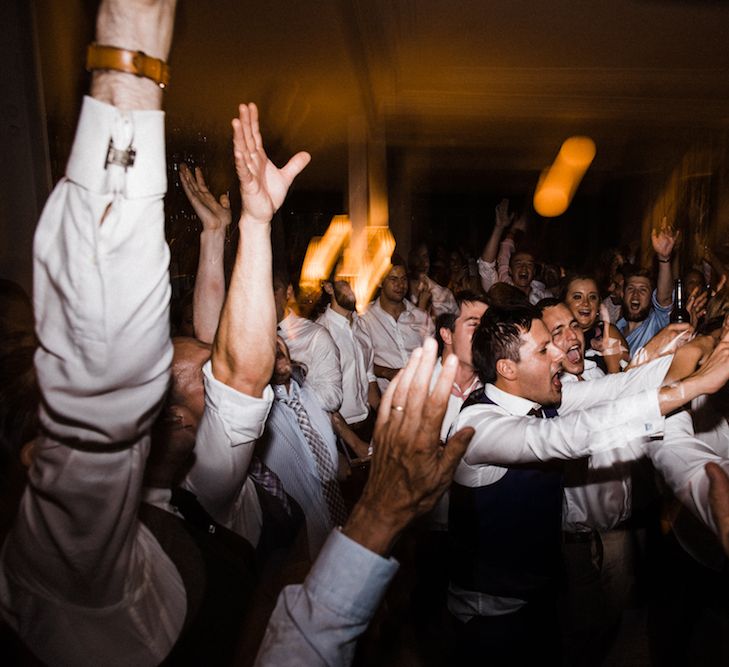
375	265
578	152
557	185
322	252
363	269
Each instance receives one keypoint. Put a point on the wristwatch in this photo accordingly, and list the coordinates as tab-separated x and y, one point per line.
99	56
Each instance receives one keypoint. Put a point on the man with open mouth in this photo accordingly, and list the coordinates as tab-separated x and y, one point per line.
646	310
506	501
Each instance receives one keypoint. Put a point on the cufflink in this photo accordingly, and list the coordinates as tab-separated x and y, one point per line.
120	156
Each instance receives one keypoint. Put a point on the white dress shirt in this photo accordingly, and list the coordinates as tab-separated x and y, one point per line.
505	435
593	417
82	581
392	341
226	436
310	344
604	500
357	368
285	450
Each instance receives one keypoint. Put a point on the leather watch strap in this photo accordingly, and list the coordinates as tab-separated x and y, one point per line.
99	56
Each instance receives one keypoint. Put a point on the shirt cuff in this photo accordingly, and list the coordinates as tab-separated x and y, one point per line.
244	417
643	416
349	579
142	130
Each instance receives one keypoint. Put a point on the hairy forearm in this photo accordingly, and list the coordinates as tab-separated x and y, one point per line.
138	26
209	285
244	348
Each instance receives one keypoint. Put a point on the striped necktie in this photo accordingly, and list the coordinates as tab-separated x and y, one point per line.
324	464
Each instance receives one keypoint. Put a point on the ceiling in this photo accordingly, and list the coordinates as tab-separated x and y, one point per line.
474	90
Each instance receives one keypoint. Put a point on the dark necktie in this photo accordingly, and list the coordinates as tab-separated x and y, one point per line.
324	464
542	413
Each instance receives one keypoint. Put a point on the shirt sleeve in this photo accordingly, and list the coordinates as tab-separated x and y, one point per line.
326	378
487	273
503	439
582	395
319	622
77	562
230	426
680	457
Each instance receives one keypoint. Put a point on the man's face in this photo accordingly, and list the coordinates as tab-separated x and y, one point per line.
537	371
567	336
464	327
617	288
395	284
637	299
282	365
583	300
522	269
344	295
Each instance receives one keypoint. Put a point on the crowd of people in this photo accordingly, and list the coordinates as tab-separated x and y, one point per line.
543	450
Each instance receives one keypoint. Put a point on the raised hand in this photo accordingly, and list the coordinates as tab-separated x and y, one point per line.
263	186
503	218
214	214
664	240
410	468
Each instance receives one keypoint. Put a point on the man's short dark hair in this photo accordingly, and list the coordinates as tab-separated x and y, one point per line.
443	321
397	260
499	337
632	271
548	302
469	296
506	295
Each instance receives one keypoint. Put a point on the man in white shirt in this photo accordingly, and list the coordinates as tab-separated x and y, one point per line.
393	327
360	392
504	520
310	344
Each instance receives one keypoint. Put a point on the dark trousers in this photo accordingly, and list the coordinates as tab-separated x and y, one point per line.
529	636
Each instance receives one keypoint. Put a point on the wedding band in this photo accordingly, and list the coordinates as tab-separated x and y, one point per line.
399	408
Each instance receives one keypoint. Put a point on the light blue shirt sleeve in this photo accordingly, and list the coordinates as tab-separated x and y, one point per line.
319	621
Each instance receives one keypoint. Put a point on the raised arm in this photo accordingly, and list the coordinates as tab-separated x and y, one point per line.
487	261
215	217
243	353
101	290
245	344
318	623
663	243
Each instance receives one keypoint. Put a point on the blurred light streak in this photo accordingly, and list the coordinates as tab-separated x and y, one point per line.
557	184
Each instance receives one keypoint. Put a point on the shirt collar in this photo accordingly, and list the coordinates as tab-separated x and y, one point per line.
516	405
279	390
336	318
